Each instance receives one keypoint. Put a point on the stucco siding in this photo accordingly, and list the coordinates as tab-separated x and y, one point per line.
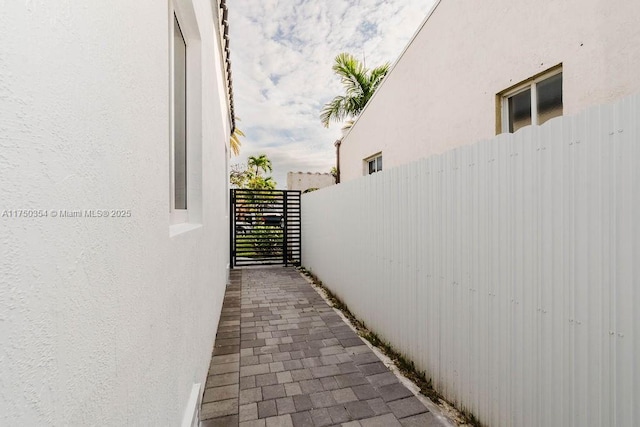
104	321
302	181
442	91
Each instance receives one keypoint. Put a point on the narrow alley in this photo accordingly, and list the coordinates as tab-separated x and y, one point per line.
283	357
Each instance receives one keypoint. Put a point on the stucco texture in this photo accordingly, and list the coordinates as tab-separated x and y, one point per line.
103	321
442	91
302	181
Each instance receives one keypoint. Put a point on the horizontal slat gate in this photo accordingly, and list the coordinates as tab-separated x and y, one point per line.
265	227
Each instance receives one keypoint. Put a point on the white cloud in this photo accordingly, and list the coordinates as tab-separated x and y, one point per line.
282	52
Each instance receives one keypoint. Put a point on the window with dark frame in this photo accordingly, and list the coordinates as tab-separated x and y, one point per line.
374	164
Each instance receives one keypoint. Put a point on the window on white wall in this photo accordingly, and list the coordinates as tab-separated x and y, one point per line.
186	130
532	102
179	152
373	164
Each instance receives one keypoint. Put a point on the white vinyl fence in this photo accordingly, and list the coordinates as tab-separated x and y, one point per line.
508	270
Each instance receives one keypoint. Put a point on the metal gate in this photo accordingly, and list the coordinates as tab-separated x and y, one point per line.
265	227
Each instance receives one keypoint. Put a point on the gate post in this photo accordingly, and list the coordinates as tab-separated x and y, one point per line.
285	238
232	219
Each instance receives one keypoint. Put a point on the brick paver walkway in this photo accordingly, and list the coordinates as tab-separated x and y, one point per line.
283	357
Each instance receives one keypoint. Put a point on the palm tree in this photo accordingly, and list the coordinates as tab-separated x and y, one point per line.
359	82
260	162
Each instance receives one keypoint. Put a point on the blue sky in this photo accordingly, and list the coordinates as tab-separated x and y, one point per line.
281	57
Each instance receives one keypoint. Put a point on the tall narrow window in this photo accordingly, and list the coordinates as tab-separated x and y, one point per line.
532	102
179	118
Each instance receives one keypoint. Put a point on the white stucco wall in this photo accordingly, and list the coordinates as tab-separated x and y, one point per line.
442	91
103	321
302	181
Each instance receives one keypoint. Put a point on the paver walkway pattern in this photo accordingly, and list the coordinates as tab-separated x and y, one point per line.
283	357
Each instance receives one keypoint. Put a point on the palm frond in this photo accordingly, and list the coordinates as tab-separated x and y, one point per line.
353	75
348	124
234	141
359	84
267	166
334	110
377	75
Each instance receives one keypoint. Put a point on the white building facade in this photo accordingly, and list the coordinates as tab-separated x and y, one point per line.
115	121
303	181
472	71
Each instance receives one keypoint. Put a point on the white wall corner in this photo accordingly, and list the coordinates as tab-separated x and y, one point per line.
191	416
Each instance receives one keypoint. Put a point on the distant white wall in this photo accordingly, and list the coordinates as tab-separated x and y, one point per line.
442	91
506	269
302	181
104	321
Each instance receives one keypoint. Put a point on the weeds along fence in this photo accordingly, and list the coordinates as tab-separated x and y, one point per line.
508	270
